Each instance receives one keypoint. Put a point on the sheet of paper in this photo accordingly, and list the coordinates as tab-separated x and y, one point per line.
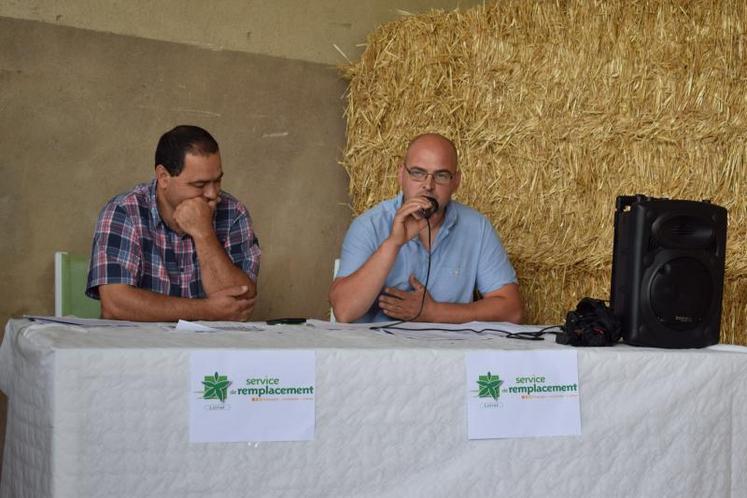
186	325
194	327
408	330
432	331
522	394
436	335
182	325
252	395
83	322
457	331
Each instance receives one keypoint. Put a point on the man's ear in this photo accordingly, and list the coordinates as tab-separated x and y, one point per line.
401	175
162	176
457	179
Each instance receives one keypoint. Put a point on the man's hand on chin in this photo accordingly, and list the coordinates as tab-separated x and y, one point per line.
195	216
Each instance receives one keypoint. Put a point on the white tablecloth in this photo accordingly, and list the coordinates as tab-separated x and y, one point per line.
99	412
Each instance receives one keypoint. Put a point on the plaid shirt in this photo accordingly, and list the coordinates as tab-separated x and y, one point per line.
132	245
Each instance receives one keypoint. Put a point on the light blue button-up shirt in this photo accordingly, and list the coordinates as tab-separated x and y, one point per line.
467	255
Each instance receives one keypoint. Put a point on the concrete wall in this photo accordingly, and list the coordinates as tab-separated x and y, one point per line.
285	28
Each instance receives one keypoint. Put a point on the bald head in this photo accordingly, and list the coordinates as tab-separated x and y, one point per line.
430	170
433	142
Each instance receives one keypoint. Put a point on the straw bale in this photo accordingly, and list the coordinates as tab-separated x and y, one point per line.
557	108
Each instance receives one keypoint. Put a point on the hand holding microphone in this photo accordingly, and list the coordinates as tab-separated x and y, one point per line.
412	217
426	213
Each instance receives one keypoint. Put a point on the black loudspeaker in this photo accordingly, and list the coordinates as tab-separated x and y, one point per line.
668	271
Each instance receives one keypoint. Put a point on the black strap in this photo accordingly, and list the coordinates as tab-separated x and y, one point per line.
592	323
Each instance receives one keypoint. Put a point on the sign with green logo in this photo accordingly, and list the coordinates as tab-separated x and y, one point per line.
216	387
489	386
522	394
252	396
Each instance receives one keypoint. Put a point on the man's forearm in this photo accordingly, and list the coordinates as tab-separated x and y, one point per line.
484	310
506	307
124	302
217	270
353	295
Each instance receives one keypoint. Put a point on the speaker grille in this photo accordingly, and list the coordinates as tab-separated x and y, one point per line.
680	293
684	231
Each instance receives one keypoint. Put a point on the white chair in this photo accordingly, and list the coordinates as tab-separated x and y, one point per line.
335	269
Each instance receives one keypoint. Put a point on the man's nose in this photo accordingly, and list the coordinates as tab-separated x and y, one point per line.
211	191
429	182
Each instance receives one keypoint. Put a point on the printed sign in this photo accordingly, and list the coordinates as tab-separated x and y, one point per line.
252	396
522	394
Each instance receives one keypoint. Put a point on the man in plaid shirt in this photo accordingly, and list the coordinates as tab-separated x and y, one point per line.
177	247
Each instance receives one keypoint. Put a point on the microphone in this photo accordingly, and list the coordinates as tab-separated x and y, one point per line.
427	213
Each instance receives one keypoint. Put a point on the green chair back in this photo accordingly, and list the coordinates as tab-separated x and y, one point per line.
71	273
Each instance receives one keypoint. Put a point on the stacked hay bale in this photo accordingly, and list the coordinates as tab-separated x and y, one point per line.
556	109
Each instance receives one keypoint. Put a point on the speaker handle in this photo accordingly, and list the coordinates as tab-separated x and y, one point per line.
622	205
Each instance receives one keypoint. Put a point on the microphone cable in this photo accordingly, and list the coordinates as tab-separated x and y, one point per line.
527	335
425	287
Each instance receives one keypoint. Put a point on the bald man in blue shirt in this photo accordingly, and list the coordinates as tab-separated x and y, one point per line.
384	258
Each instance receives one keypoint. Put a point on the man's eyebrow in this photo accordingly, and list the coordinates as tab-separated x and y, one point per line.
220	177
436	171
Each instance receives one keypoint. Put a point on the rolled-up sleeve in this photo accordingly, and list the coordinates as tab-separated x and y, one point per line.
359	244
116	252
494	268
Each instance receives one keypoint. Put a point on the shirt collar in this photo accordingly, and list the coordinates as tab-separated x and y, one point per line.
449	221
155	215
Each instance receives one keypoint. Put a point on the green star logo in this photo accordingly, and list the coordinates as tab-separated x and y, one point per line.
490	386
216	387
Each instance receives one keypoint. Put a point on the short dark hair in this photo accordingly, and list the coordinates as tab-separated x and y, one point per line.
174	144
